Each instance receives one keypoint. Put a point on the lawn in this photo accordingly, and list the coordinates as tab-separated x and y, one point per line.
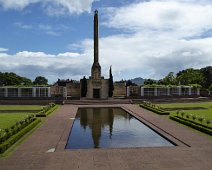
13	113
203	109
9	119
20	107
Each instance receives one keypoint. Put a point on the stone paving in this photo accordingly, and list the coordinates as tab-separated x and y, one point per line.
194	150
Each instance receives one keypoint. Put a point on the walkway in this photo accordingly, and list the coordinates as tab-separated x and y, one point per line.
32	153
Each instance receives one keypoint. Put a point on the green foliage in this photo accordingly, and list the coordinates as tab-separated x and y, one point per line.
47	110
83	87
192	124
150	82
170	79
14	138
111	86
207	76
154	108
11	79
210	88
40	80
8	132
189	76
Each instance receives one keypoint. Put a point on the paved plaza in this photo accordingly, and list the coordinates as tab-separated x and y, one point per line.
44	149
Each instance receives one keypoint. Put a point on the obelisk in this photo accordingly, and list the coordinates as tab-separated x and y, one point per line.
96	68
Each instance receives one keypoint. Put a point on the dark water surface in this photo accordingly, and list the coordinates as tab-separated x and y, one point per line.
111	128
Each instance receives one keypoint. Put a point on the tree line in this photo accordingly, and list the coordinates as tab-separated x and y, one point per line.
12	79
199	77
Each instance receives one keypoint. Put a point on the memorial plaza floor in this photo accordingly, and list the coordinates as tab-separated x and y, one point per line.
44	149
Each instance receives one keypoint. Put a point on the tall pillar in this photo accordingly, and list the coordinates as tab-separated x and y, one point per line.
168	91
49	92
198	91
96	37
128	91
189	91
33	91
6	92
155	91
179	91
96	68
142	91
19	92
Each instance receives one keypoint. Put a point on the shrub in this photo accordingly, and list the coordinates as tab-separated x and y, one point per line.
155	110
6	144
194	125
194	117
200	119
208	122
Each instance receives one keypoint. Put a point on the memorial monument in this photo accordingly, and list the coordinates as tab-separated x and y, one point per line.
96	87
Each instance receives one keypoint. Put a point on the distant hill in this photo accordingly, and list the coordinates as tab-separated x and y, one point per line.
138	81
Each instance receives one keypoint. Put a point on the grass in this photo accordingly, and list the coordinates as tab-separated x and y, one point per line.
13	115
20	107
206	110
9	119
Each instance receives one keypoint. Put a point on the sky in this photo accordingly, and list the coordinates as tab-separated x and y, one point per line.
139	38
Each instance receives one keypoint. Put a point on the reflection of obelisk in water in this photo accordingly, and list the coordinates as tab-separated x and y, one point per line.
96	127
96	68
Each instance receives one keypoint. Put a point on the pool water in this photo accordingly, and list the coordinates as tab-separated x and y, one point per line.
111	128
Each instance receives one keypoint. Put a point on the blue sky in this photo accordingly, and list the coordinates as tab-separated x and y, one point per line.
139	38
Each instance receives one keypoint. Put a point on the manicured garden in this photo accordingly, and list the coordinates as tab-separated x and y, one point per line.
195	115
14	125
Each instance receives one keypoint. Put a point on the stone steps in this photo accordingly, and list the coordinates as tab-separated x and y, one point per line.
97	102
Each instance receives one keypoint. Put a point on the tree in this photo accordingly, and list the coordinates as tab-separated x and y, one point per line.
150	82
111	87
39	80
170	79
207	76
12	79
83	87
189	76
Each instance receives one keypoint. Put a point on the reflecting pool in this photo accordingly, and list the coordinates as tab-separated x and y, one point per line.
111	128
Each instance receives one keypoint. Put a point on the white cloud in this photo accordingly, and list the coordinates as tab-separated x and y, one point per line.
48	29
3	50
52	7
32	64
158	37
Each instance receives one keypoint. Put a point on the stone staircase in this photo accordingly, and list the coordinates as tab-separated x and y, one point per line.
98	102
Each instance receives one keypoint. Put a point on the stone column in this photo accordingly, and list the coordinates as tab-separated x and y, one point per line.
6	92
142	91
189	91
128	91
96	37
34	92
19	92
155	91
179	91
49	92
168	91
198	91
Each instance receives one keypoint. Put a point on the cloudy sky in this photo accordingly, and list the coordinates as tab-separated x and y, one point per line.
139	38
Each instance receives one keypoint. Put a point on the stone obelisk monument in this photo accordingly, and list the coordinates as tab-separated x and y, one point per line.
97	86
96	68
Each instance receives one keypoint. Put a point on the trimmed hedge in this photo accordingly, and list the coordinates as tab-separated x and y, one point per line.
192	124
44	114
9	142
155	110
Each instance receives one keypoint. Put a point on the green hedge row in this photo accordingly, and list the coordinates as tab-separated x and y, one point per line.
155	110
194	125
44	114
9	142
18	126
